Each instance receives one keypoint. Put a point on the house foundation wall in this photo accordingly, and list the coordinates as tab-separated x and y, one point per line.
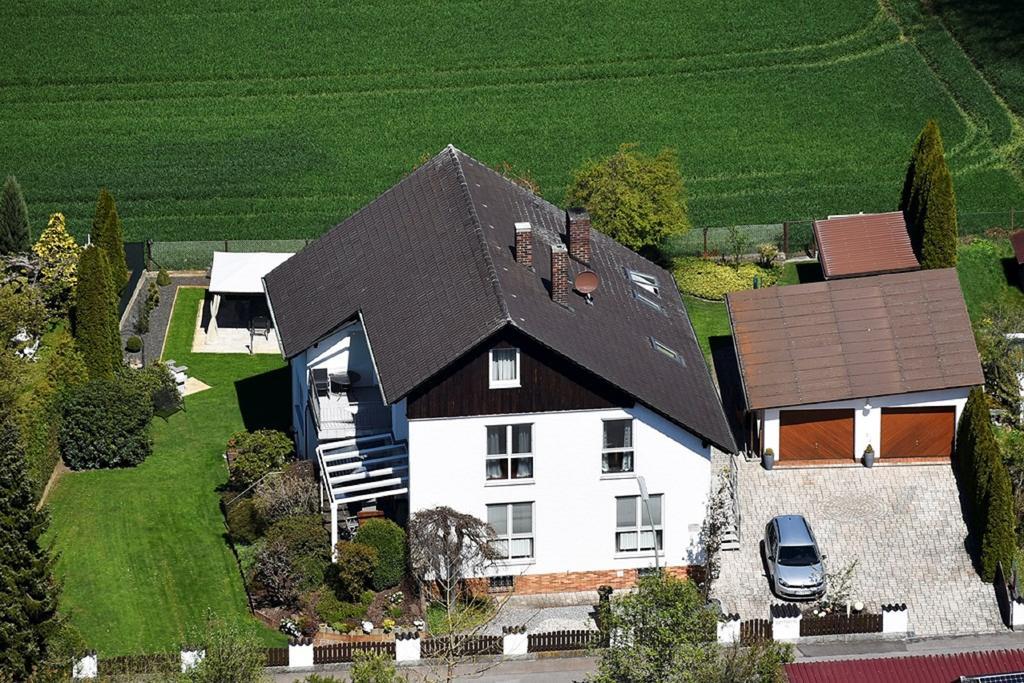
571	582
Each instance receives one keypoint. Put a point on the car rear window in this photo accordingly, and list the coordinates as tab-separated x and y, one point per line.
798	555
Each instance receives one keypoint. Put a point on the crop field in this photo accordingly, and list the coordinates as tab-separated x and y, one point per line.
267	119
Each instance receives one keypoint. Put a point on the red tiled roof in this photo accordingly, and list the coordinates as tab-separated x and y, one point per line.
1017	240
924	669
864	244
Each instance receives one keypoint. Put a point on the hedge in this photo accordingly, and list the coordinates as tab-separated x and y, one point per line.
713	280
105	423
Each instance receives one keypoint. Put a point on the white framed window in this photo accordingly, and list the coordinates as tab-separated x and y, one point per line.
645	281
504	368
513	530
617	446
671	353
509	452
635	530
640	296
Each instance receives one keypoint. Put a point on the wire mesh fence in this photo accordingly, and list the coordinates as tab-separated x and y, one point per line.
199	255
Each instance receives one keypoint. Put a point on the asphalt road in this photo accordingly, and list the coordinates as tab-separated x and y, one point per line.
555	670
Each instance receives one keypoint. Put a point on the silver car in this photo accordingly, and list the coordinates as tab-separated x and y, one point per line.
796	567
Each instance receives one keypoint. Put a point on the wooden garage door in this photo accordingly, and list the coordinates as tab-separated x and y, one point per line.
917	432
816	435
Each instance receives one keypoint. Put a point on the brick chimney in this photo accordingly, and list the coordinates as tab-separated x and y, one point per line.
524	244
578	230
559	274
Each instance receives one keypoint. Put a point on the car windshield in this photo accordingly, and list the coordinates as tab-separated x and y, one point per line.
798	555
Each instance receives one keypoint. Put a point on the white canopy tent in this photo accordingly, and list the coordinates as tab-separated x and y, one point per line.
239	273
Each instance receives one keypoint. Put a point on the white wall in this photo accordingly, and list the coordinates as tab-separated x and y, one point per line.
574	506
867	425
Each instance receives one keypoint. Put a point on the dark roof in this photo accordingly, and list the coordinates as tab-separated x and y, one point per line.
429	264
842	339
944	668
1017	240
864	244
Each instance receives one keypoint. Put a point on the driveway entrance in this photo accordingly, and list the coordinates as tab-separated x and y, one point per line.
902	524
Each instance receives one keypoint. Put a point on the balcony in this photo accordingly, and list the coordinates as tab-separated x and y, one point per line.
343	411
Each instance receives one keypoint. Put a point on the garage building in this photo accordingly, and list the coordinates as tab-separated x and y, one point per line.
829	368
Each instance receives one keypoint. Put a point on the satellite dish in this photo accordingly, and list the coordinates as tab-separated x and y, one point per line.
586	282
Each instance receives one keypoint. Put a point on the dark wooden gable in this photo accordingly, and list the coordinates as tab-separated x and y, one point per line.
548	382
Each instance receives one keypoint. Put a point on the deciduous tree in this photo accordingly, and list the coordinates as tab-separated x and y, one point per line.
14	226
637	199
108	234
96	321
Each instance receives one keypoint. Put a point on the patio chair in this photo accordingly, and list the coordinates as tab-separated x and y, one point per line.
260	327
321	382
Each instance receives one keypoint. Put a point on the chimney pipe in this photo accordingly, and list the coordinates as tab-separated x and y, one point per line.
524	244
559	274
578	231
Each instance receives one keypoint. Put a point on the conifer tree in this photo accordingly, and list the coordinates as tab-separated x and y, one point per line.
986	461
108	234
29	595
14	226
96	320
938	249
965	441
58	263
999	541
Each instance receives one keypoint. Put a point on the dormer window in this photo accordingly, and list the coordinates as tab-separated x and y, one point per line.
658	346
644	281
504	368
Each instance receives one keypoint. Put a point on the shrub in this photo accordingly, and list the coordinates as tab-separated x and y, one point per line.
306	544
354	569
141	324
294	492
388	539
105	424
256	454
331	610
158	383
162	278
244	523
152	296
233	653
712	280
273	576
21	308
766	254
374	667
133	345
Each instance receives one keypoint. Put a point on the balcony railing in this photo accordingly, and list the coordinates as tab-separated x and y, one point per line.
353	411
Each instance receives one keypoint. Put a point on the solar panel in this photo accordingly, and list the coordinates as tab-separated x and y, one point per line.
1017	677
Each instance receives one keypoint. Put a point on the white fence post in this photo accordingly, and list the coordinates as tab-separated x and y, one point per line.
785	622
300	653
86	667
729	629
895	618
514	640
407	647
190	658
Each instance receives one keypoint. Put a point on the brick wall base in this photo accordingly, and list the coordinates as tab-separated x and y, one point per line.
566	582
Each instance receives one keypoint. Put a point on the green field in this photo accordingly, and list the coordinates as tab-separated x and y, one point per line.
233	120
142	550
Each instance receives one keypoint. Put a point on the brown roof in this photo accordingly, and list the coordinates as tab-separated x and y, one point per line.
1017	240
940	668
842	339
429	266
865	244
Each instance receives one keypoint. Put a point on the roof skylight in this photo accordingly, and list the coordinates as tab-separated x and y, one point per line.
658	346
648	282
640	296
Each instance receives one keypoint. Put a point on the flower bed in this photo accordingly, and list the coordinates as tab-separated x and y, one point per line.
712	280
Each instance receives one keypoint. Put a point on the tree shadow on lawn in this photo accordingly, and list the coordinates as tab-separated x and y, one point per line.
265	400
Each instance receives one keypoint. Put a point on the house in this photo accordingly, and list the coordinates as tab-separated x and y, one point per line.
864	244
829	368
958	667
460	341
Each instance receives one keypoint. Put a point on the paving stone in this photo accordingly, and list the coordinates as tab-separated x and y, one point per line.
902	524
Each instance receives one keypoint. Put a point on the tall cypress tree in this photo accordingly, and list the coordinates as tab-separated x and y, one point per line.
108	234
965	441
999	543
29	595
927	147
96	321
14	226
938	248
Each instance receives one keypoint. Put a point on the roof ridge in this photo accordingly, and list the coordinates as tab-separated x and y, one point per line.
478	230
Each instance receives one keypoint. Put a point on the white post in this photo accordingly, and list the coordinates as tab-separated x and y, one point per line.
407	647
334	524
1016	612
729	629
86	667
514	641
785	623
895	618
300	653
190	658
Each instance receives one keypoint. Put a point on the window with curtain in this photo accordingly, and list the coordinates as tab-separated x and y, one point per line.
504	368
513	528
617	447
635	530
509	452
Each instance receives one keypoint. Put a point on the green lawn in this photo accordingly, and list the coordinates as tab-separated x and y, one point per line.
986	271
143	553
277	120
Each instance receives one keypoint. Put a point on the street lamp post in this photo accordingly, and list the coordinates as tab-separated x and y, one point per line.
642	483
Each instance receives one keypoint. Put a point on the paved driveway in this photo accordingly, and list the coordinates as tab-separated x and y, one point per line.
901	522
